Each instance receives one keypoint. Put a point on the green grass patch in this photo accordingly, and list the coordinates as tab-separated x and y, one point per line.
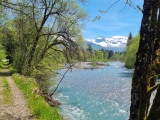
6	92
40	109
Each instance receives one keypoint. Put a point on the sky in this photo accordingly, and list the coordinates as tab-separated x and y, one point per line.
118	21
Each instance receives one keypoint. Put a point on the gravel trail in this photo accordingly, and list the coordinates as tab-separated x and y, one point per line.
17	110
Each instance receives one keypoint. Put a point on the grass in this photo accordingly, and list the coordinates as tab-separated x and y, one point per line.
40	109
6	92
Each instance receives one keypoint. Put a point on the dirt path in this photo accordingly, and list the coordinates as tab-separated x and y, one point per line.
18	109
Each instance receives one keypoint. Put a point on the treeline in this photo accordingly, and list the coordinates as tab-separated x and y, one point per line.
89	54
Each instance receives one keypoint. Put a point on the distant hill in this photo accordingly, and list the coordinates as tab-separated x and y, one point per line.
115	43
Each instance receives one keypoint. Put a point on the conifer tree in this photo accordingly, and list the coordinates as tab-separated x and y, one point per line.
129	39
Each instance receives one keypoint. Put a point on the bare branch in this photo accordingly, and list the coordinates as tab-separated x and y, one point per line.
139	8
61	80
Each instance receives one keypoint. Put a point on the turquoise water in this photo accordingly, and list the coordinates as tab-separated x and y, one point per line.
101	94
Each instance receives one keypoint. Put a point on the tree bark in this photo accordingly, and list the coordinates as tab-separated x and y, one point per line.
155	109
143	66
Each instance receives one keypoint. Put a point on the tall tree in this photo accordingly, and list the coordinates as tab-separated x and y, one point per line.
55	23
129	39
146	59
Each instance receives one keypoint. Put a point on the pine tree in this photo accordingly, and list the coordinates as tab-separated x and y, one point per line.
129	39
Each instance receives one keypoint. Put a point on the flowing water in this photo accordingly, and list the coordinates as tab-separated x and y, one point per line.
100	94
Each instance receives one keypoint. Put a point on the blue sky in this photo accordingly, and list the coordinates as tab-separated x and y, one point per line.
118	21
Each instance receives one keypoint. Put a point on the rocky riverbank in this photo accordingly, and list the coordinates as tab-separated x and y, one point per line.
87	65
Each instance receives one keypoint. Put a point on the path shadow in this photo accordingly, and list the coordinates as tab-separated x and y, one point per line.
5	73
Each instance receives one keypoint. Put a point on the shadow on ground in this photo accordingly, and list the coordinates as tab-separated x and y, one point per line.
4	73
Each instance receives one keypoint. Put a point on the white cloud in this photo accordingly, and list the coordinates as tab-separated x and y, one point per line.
90	40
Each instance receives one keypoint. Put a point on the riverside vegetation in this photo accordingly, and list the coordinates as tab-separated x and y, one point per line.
36	47
41	35
40	109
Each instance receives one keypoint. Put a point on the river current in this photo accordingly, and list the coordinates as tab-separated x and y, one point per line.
100	94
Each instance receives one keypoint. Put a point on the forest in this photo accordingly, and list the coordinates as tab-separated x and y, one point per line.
39	36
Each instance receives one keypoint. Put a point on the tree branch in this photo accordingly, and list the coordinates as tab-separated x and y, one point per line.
151	89
61	79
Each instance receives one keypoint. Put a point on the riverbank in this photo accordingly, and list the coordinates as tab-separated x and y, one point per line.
20	98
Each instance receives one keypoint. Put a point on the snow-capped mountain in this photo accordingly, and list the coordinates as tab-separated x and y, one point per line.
115	43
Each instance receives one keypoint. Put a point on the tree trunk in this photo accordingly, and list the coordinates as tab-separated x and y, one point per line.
31	55
154	113
142	74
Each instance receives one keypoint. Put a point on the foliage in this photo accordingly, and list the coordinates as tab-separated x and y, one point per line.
37	41
45	70
117	57
38	31
38	106
130	55
2	54
3	15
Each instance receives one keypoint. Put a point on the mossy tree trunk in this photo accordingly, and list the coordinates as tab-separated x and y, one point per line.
146	56
154	113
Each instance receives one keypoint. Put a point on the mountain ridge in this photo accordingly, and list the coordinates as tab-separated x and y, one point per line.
115	43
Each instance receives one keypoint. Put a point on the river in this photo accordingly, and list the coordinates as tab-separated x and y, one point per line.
100	94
